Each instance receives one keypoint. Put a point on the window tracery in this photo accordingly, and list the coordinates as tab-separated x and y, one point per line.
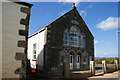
74	38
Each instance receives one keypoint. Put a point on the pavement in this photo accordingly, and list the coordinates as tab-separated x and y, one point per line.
108	76
77	76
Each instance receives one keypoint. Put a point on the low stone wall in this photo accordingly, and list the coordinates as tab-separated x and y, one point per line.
110	70
104	68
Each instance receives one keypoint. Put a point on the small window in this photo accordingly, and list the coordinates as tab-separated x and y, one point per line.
66	38
34	50
78	58
71	58
82	41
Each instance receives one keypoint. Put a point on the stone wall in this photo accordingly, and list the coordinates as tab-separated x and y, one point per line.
13	37
55	39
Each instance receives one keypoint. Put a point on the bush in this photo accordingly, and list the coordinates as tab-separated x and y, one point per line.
108	60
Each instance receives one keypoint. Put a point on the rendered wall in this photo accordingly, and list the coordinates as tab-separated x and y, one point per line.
40	40
11	17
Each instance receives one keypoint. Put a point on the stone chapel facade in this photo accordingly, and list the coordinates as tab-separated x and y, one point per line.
66	39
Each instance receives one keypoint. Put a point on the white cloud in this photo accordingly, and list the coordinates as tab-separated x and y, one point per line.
109	23
95	41
90	6
71	1
83	12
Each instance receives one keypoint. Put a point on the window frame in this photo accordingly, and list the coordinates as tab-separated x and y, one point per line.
82	41
71	58
34	50
74	34
66	37
73	37
78	58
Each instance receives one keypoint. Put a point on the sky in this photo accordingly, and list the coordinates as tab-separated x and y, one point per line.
100	17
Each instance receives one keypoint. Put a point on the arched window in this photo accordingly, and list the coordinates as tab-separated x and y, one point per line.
74	37
66	37
78	58
82	41
71	60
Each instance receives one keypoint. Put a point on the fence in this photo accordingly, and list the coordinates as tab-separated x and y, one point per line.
99	69
104	67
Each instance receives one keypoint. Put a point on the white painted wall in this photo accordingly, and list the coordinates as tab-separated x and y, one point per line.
11	17
40	40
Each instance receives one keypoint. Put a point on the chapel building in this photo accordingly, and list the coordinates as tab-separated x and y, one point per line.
66	39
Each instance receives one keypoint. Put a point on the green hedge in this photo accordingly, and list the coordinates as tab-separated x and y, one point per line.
109	60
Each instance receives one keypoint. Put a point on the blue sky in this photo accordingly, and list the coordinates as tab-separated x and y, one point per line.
100	17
